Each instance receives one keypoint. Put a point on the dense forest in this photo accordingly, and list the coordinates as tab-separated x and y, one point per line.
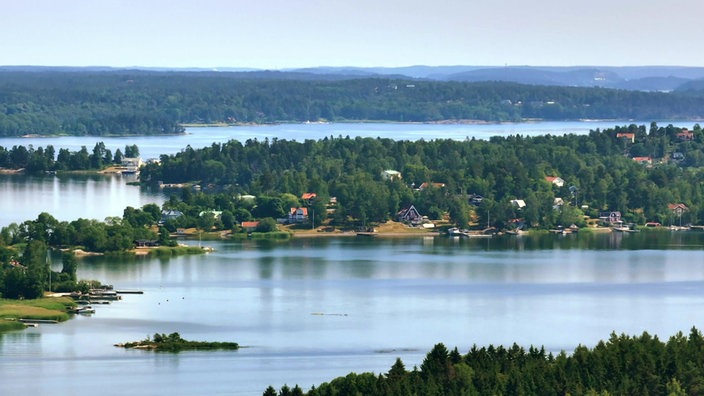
141	102
623	365
634	169
637	170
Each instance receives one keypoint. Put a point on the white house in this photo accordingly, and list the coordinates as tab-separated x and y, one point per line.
519	203
390	174
556	180
131	165
298	215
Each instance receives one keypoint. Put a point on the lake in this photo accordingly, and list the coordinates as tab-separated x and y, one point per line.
309	310
69	197
198	137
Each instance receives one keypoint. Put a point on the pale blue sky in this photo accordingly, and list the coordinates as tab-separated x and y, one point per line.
279	34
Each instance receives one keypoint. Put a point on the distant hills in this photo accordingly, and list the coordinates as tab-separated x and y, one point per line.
138	101
634	78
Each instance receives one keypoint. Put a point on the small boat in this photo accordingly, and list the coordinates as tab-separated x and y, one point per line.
625	228
86	309
366	232
454	232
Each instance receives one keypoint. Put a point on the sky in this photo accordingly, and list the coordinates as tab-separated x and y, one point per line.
280	34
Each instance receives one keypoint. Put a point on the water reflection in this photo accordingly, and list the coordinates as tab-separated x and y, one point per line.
298	303
68	197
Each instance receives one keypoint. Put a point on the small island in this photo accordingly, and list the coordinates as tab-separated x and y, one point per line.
174	343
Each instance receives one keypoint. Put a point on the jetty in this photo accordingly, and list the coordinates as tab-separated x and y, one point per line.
37	321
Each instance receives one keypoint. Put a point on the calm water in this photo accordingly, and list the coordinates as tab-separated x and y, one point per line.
309	310
70	197
154	146
312	309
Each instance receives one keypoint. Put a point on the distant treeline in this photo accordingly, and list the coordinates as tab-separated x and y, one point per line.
45	159
623	365
141	102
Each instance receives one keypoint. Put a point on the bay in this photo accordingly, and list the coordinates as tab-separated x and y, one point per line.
308	310
198	137
69	197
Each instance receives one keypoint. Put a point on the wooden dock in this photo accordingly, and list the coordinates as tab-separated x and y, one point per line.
37	321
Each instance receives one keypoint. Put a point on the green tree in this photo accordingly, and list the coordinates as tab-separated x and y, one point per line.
131	151
69	265
267	224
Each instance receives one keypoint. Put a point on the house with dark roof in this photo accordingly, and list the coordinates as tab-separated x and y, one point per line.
610	218
167	215
409	215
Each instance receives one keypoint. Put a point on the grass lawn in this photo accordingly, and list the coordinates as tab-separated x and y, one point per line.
48	308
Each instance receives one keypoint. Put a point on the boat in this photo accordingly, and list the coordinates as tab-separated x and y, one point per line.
478	235
366	232
625	228
86	309
454	232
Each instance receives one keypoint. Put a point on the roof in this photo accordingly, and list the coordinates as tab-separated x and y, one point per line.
309	195
558	181
626	135
677	206
642	159
304	211
426	185
519	202
250	224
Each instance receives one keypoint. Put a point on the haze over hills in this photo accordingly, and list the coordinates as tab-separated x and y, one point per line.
636	78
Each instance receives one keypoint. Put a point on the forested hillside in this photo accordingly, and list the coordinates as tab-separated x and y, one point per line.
142	102
622	365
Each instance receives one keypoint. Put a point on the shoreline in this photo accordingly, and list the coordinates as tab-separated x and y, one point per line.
390	234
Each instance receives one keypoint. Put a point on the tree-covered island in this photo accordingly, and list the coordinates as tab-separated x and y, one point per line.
175	343
133	102
631	174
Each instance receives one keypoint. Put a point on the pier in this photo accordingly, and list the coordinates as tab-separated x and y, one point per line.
37	321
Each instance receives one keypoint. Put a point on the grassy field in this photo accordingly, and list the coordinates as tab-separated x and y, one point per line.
50	308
